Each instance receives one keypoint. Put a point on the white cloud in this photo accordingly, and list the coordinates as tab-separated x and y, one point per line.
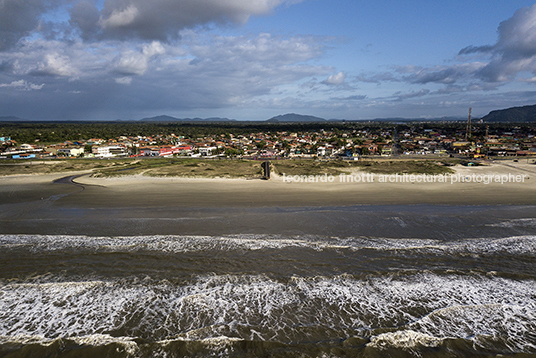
515	49
22	85
512	56
153	49
131	63
123	80
56	65
270	50
203	71
442	74
335	80
403	96
119	18
517	35
530	80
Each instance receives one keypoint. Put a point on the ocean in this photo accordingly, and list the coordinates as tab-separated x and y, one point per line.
363	281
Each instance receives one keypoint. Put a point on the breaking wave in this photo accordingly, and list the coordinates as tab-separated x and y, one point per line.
262	295
176	244
387	311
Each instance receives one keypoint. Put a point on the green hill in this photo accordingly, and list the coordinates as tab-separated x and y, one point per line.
523	114
293	117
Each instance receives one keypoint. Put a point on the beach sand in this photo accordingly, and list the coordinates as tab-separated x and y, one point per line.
136	205
506	183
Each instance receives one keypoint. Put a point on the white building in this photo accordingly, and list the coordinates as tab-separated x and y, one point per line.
72	152
109	151
206	151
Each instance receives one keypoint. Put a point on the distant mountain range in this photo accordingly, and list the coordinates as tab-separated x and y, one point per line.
525	114
173	119
295	118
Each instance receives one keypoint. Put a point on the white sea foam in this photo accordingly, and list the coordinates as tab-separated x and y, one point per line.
129	345
484	320
526	222
425	307
175	244
406	339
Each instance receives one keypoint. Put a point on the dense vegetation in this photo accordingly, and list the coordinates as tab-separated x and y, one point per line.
57	132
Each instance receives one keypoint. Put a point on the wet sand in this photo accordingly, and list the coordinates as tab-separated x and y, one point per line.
137	205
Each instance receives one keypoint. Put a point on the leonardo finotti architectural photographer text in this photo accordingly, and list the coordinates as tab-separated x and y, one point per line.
407	178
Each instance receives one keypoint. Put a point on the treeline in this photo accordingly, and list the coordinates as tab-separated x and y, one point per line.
55	132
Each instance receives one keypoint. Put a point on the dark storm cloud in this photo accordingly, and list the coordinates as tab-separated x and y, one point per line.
85	16
123	19
18	18
6	66
161	19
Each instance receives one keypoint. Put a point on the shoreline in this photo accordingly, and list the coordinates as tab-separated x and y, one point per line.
496	184
140	205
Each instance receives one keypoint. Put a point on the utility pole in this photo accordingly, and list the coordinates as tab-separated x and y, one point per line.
468	130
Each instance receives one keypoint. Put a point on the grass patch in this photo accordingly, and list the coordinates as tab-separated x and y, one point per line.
310	167
209	169
187	168
221	168
17	167
404	166
336	167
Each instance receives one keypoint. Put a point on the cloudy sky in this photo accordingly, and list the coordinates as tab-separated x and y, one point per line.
254	59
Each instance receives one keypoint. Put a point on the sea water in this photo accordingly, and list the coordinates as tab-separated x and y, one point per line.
261	295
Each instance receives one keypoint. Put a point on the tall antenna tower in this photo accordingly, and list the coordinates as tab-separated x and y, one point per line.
468	130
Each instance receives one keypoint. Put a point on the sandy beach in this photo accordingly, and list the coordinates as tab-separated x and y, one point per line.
504	183
136	205
507	183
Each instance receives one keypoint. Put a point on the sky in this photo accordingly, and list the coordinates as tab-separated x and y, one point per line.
255	59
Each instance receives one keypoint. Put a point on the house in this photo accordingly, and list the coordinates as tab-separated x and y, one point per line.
169	150
109	151
149	151
206	151
321	151
71	151
24	156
